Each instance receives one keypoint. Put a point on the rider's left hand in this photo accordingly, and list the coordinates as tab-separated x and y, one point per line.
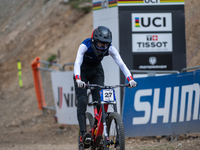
132	83
80	83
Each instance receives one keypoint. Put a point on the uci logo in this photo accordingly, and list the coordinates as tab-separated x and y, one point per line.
151	22
146	22
151	1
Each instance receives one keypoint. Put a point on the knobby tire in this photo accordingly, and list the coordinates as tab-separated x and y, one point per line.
115	121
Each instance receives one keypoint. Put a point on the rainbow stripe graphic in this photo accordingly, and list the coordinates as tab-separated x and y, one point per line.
112	3
115	3
130	1
137	24
171	1
97	6
142	2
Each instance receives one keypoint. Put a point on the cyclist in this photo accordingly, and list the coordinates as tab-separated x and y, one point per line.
88	68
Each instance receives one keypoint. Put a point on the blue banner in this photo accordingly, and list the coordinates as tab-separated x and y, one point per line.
164	105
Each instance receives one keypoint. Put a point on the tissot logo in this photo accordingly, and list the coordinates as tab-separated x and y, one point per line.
151	22
152	37
152	42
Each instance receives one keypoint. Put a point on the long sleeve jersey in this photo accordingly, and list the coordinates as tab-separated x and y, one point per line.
86	55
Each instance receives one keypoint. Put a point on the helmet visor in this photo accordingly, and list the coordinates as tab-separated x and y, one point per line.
102	46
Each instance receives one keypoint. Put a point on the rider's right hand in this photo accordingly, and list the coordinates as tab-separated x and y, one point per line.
80	83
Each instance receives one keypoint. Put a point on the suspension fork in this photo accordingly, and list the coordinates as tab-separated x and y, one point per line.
115	107
115	110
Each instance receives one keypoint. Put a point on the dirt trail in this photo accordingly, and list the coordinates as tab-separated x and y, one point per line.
39	28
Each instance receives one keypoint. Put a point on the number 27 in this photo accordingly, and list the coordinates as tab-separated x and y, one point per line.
108	94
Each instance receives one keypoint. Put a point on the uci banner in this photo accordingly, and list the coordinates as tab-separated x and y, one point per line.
164	105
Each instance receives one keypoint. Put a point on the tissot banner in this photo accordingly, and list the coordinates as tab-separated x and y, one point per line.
156	42
164	105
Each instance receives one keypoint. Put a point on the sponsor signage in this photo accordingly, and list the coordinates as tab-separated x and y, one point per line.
149	2
65	98
164	105
152	31
153	62
151	22
152	42
104	4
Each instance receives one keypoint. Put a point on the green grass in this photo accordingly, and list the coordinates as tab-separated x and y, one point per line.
52	58
45	1
79	5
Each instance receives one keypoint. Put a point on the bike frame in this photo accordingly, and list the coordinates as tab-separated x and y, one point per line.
101	117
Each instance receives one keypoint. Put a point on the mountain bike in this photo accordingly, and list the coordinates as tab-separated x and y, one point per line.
106	128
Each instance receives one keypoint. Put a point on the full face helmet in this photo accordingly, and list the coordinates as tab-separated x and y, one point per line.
101	39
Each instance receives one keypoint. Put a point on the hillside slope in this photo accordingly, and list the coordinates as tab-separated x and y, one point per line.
31	28
192	24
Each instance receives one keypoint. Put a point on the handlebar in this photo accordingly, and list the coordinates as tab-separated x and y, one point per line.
94	86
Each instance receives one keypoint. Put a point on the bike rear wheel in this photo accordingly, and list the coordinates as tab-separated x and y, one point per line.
116	132
90	119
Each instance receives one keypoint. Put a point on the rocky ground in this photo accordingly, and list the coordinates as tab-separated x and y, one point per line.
30	28
43	133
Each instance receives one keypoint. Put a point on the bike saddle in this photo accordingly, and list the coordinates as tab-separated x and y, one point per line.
93	103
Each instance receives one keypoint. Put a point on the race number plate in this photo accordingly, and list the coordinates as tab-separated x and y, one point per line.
107	95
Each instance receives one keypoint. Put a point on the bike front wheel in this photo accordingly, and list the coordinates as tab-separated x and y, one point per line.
116	132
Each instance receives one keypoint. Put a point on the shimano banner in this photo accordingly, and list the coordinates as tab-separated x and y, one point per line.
164	105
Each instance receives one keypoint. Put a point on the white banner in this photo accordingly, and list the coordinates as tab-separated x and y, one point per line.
65	98
151	22
152	42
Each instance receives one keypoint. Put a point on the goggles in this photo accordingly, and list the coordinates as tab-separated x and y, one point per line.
101	46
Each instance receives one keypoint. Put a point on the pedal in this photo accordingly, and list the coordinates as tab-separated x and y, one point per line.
88	140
